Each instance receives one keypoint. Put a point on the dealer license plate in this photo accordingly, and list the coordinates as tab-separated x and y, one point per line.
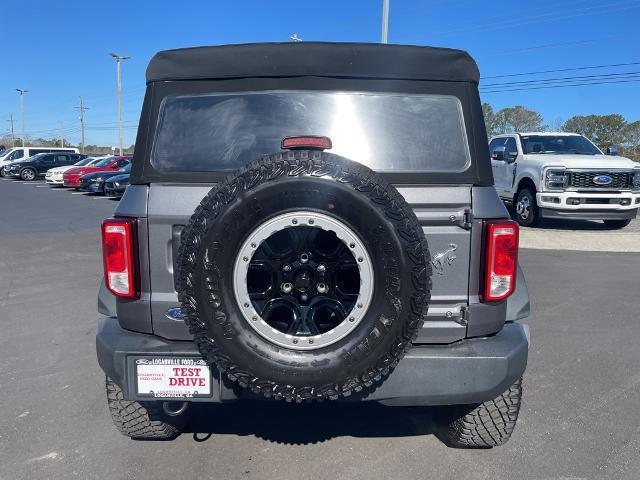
164	377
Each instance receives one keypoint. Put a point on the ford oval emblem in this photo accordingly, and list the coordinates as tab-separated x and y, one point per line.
175	314
603	180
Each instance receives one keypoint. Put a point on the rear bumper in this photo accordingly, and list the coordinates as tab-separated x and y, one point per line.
470	371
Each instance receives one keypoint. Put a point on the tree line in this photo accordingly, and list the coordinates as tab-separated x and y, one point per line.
603	130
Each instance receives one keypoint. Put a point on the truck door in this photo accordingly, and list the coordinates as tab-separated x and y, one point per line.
504	162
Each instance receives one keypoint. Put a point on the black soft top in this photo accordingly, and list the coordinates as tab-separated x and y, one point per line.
319	59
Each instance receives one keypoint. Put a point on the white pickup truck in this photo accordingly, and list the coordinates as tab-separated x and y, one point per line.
564	175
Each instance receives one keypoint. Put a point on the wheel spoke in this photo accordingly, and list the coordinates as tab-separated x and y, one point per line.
303	325
299	238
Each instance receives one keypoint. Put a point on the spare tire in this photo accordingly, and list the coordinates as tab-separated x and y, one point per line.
304	276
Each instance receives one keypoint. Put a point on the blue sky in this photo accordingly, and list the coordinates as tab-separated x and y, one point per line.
59	50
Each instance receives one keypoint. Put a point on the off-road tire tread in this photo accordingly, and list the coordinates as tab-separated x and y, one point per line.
489	424
142	421
291	164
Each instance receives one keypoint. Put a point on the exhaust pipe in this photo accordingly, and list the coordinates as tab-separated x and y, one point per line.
174	409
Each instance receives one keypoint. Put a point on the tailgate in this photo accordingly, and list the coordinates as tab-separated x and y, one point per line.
443	212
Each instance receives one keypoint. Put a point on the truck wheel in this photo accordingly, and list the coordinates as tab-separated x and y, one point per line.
28	174
616	224
304	276
487	425
526	208
142	421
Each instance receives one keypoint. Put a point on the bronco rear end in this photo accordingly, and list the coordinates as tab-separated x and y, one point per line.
312	221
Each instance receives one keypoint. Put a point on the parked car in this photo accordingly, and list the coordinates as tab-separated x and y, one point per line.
116	185
30	168
306	275
54	175
71	178
564	175
94	182
20	153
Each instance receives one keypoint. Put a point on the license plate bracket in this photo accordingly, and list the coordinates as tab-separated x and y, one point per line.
172	378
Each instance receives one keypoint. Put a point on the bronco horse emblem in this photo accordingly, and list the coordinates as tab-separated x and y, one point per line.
440	260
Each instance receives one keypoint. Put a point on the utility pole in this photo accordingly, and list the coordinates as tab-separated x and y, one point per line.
119	59
13	137
22	91
62	134
385	21
81	108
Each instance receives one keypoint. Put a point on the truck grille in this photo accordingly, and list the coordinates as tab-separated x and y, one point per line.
584	180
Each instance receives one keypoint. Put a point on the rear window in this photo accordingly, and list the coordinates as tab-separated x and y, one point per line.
218	132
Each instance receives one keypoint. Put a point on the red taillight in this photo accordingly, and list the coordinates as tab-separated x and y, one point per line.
119	255
501	259
307	141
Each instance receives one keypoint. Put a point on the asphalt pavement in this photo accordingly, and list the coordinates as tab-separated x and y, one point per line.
580	418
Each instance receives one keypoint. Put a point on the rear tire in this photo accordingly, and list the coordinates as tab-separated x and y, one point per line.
617	224
142	420
28	174
487	425
526	209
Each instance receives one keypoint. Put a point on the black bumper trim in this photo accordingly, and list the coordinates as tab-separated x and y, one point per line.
589	214
470	371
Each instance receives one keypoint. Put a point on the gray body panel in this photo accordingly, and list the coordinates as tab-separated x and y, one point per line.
450	217
470	371
441	211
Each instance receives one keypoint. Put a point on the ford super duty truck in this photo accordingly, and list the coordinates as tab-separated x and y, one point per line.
564	175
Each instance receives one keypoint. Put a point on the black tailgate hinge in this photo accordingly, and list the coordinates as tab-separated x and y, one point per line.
467	219
464	315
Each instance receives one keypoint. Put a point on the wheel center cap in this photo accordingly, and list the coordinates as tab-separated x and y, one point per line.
303	281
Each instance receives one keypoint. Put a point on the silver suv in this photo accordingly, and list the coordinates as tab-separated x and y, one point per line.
313	221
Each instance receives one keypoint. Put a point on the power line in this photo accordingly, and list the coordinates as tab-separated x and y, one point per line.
81	108
563	70
13	137
561	79
548	17
556	45
544	87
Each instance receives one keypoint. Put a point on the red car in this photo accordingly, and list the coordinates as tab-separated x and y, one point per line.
71	178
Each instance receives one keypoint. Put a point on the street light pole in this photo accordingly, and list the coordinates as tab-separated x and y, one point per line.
119	59
385	21
22	91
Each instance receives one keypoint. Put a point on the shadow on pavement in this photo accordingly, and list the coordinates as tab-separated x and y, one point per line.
309	423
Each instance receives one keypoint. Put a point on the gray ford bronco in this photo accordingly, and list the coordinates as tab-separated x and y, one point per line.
307	222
